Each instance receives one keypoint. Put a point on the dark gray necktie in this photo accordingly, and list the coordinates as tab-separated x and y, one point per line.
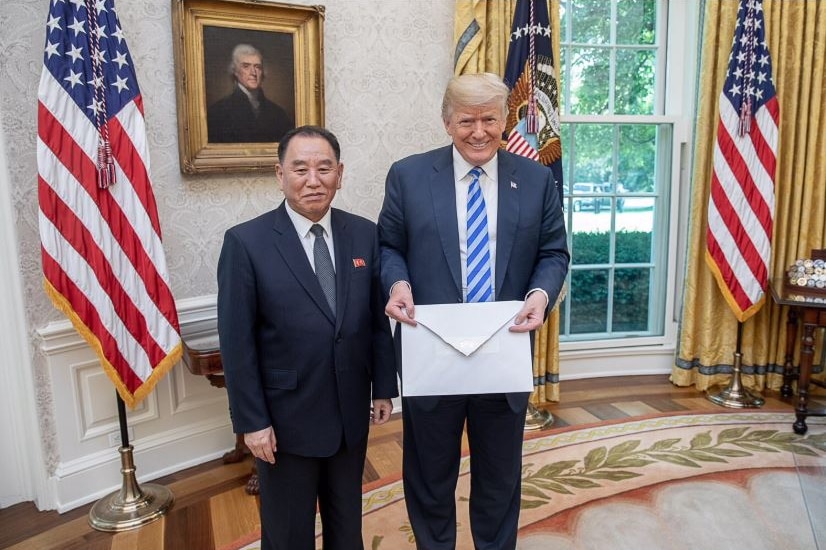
324	266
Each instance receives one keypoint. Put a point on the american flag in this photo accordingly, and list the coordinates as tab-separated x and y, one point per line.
533	105
741	206
103	260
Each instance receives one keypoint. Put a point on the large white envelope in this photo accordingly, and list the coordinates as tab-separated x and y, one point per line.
465	349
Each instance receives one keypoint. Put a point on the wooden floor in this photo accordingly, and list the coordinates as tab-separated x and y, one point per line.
211	508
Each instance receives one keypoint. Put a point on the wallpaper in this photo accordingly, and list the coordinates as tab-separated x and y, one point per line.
386	65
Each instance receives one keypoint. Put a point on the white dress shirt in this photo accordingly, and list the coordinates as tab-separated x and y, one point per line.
302	227
488	184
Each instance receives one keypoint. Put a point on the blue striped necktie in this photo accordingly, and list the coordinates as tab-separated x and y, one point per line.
479	284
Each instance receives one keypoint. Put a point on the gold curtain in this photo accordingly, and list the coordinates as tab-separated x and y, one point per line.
481	32
796	36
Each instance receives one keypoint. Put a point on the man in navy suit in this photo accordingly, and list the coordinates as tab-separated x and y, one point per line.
424	241
303	358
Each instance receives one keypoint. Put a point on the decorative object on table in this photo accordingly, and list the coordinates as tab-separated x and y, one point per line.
808	275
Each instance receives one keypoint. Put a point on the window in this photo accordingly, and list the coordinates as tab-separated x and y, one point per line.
619	158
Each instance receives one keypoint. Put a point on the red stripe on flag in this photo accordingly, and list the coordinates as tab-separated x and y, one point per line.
764	149
76	234
132	165
743	175
54	136
740	233
728	276
88	315
100	233
135	170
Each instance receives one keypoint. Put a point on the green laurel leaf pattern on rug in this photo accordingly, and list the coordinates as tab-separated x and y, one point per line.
613	464
640	481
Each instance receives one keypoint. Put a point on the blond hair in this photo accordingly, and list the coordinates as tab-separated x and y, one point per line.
470	90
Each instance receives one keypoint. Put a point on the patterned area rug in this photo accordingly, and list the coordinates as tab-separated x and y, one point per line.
724	480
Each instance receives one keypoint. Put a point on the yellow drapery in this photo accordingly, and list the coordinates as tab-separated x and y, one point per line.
481	31
796	36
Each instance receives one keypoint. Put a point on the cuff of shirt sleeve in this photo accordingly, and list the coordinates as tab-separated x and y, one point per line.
409	287
531	291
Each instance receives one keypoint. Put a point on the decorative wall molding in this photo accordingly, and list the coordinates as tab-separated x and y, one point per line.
184	422
85	480
97	417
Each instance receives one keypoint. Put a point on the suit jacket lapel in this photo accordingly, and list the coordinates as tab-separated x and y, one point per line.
343	242
289	246
507	216
443	193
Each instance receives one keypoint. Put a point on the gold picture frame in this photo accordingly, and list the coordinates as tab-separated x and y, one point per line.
218	129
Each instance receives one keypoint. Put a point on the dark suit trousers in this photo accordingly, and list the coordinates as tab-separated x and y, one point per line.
290	490
432	453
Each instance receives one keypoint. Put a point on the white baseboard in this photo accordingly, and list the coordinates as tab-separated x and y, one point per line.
93	477
614	362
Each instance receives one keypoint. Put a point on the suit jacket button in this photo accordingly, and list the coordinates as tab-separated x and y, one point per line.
338	339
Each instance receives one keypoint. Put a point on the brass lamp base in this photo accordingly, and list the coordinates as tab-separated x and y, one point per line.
131	507
734	395
537	419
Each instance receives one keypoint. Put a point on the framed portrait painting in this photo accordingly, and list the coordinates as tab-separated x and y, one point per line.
246	72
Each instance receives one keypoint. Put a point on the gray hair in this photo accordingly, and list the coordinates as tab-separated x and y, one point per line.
238	51
470	90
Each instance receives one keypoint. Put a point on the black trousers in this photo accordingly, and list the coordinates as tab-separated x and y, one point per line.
294	486
432	453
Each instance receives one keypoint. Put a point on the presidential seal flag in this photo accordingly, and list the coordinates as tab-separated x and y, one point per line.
741	205
103	260
532	128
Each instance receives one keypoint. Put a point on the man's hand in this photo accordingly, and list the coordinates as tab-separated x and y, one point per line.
382	409
532	314
262	444
400	305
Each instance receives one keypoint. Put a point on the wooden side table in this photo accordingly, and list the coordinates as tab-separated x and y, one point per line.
810	309
202	356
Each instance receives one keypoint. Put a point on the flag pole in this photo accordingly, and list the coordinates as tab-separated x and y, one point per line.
537	419
735	395
132	506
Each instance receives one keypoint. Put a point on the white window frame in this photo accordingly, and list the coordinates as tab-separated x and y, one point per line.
676	100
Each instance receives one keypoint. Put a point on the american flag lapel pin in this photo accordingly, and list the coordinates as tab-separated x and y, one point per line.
513	185
359	262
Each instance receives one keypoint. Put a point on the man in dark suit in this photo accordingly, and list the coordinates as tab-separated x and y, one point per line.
426	241
304	344
246	115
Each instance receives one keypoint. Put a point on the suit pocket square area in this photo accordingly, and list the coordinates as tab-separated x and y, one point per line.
465	349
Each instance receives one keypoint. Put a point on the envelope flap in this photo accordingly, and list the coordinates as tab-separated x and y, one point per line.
467	327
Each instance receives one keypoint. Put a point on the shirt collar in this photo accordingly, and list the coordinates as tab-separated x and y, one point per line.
253	96
461	167
303	225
